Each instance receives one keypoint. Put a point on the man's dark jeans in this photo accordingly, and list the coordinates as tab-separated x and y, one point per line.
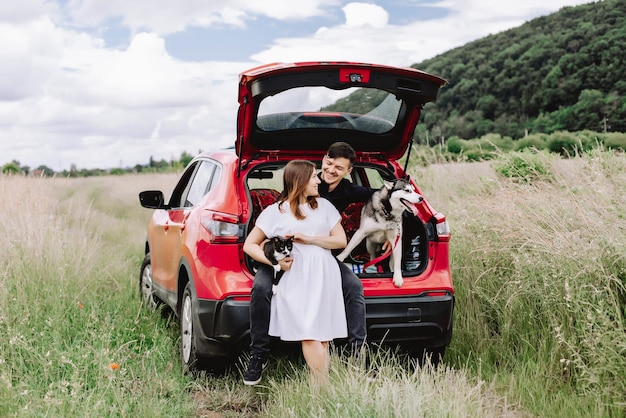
260	304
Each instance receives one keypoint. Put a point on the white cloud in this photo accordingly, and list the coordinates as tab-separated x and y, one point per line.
367	36
68	98
25	10
365	14
65	98
166	16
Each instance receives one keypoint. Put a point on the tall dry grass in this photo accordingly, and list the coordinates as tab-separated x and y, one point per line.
539	269
540	273
74	340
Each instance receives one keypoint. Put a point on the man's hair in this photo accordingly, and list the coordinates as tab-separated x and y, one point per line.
341	150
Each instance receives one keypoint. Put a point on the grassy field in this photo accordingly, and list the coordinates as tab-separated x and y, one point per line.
539	263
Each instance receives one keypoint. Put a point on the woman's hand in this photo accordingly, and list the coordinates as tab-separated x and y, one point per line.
285	263
301	238
336	239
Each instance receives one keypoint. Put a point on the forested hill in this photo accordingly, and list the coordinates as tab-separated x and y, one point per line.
564	71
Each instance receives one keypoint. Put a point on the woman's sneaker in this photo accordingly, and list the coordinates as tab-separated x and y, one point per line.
255	370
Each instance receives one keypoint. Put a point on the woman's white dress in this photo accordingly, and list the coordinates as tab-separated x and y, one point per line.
308	304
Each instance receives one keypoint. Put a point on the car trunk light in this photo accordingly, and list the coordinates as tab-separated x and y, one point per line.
443	231
354	75
224	229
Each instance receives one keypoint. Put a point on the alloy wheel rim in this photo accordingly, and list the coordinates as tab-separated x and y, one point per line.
146	288
186	329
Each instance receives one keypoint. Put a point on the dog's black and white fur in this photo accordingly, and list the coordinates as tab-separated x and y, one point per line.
275	250
381	220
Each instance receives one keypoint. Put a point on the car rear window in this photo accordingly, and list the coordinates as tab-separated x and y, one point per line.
360	109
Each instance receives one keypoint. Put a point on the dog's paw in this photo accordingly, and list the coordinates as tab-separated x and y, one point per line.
398	281
341	256
274	289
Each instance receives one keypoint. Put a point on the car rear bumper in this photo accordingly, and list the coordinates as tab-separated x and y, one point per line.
419	320
223	326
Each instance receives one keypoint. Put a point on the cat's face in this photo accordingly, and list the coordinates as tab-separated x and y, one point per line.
282	247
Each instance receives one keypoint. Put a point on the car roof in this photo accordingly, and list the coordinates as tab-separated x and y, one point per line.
374	108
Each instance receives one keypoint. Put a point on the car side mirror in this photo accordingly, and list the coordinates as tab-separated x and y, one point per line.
152	199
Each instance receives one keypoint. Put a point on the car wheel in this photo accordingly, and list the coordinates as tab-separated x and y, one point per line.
146	290
188	351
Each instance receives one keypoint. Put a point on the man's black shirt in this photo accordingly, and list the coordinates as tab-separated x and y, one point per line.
345	193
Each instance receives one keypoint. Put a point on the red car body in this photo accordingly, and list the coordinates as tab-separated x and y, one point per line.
194	258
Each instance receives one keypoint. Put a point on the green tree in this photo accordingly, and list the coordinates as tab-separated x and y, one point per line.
185	158
589	111
533	77
11	168
45	171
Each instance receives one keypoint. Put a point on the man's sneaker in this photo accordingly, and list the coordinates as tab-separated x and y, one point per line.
255	369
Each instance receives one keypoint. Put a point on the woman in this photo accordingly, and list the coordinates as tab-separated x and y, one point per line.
308	305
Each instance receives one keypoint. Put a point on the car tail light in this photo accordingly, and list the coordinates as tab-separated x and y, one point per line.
224	229
443	229
433	293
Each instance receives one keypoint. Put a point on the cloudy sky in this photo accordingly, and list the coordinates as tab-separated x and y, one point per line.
110	83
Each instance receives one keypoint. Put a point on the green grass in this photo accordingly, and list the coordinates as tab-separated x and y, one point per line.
540	275
69	311
539	269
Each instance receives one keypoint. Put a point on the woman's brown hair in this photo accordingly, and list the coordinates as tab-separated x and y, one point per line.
295	180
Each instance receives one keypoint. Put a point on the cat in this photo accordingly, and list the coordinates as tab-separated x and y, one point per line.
275	250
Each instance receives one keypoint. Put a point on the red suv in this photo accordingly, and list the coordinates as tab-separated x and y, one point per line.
194	260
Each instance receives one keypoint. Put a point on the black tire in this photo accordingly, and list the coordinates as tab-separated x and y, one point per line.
146	290
188	351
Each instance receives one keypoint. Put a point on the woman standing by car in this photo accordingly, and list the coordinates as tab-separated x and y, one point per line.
308	305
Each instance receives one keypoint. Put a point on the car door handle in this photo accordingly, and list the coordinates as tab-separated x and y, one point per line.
184	221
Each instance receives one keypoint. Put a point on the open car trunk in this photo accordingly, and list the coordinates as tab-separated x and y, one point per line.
265	183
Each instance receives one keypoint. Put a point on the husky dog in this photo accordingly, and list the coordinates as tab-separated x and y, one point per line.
275	250
381	220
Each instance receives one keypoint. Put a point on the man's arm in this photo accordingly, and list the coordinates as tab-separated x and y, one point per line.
346	193
359	193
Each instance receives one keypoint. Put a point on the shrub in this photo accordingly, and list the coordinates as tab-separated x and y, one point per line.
524	167
476	154
455	145
574	143
615	141
495	142
565	143
533	141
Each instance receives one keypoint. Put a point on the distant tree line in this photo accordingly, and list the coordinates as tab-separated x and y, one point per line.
153	166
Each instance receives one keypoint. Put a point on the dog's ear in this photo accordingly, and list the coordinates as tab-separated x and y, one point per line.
388	184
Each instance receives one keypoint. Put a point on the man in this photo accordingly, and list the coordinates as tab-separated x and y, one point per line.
336	164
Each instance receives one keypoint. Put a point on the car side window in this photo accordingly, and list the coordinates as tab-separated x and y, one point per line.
200	184
216	177
374	178
176	200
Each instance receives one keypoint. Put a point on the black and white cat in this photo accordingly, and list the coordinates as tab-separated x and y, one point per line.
275	250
